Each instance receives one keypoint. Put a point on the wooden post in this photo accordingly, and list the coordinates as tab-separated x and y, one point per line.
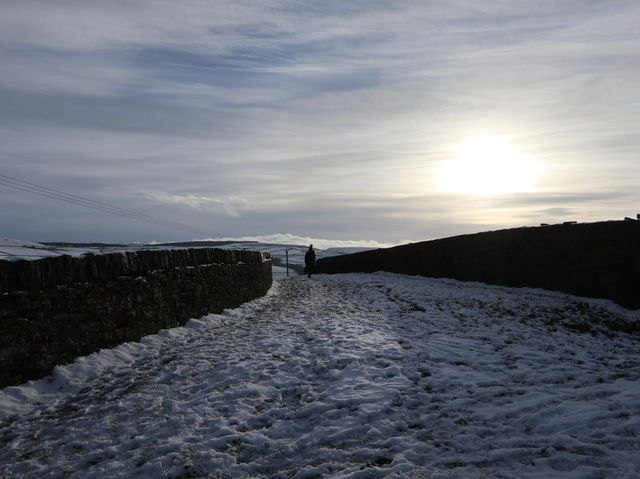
287	254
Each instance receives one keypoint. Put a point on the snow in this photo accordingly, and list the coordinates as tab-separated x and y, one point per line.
321	243
347	376
296	252
15	250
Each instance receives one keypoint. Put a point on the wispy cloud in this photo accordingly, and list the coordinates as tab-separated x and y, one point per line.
320	243
231	206
324	118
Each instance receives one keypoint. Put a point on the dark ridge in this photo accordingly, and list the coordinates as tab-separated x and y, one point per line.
202	243
83	245
62	244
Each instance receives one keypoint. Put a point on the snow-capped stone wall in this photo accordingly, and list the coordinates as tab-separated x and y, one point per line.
56	309
599	260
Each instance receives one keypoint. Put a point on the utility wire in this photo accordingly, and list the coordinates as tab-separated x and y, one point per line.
73	199
88	203
27	186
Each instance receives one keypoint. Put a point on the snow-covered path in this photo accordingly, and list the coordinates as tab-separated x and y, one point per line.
347	376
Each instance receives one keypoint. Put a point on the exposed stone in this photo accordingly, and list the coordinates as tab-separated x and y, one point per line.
56	309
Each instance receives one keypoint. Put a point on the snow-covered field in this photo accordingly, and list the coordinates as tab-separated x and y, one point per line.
360	376
11	249
15	250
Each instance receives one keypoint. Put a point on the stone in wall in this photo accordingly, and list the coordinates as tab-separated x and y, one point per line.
599	260
59	310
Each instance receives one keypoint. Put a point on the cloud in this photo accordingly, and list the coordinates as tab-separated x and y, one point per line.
230	206
291	239
327	118
557	212
532	199
125	115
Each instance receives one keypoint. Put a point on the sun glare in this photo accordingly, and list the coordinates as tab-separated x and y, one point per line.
487	166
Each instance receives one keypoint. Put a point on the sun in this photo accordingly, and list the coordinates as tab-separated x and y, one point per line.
487	166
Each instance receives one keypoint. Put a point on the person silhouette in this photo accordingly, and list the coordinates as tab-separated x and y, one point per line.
309	261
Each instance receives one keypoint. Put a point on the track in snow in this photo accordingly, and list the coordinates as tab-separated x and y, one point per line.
347	376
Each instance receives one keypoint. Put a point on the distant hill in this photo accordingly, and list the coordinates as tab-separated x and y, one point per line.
83	245
196	244
180	244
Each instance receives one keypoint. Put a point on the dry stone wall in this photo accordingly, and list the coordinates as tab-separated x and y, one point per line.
600	260
56	309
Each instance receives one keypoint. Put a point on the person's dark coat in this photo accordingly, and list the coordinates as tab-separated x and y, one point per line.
309	261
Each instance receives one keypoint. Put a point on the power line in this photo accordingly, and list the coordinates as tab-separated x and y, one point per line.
27	186
88	203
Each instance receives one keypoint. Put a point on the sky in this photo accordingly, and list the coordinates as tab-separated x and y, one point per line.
378	122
